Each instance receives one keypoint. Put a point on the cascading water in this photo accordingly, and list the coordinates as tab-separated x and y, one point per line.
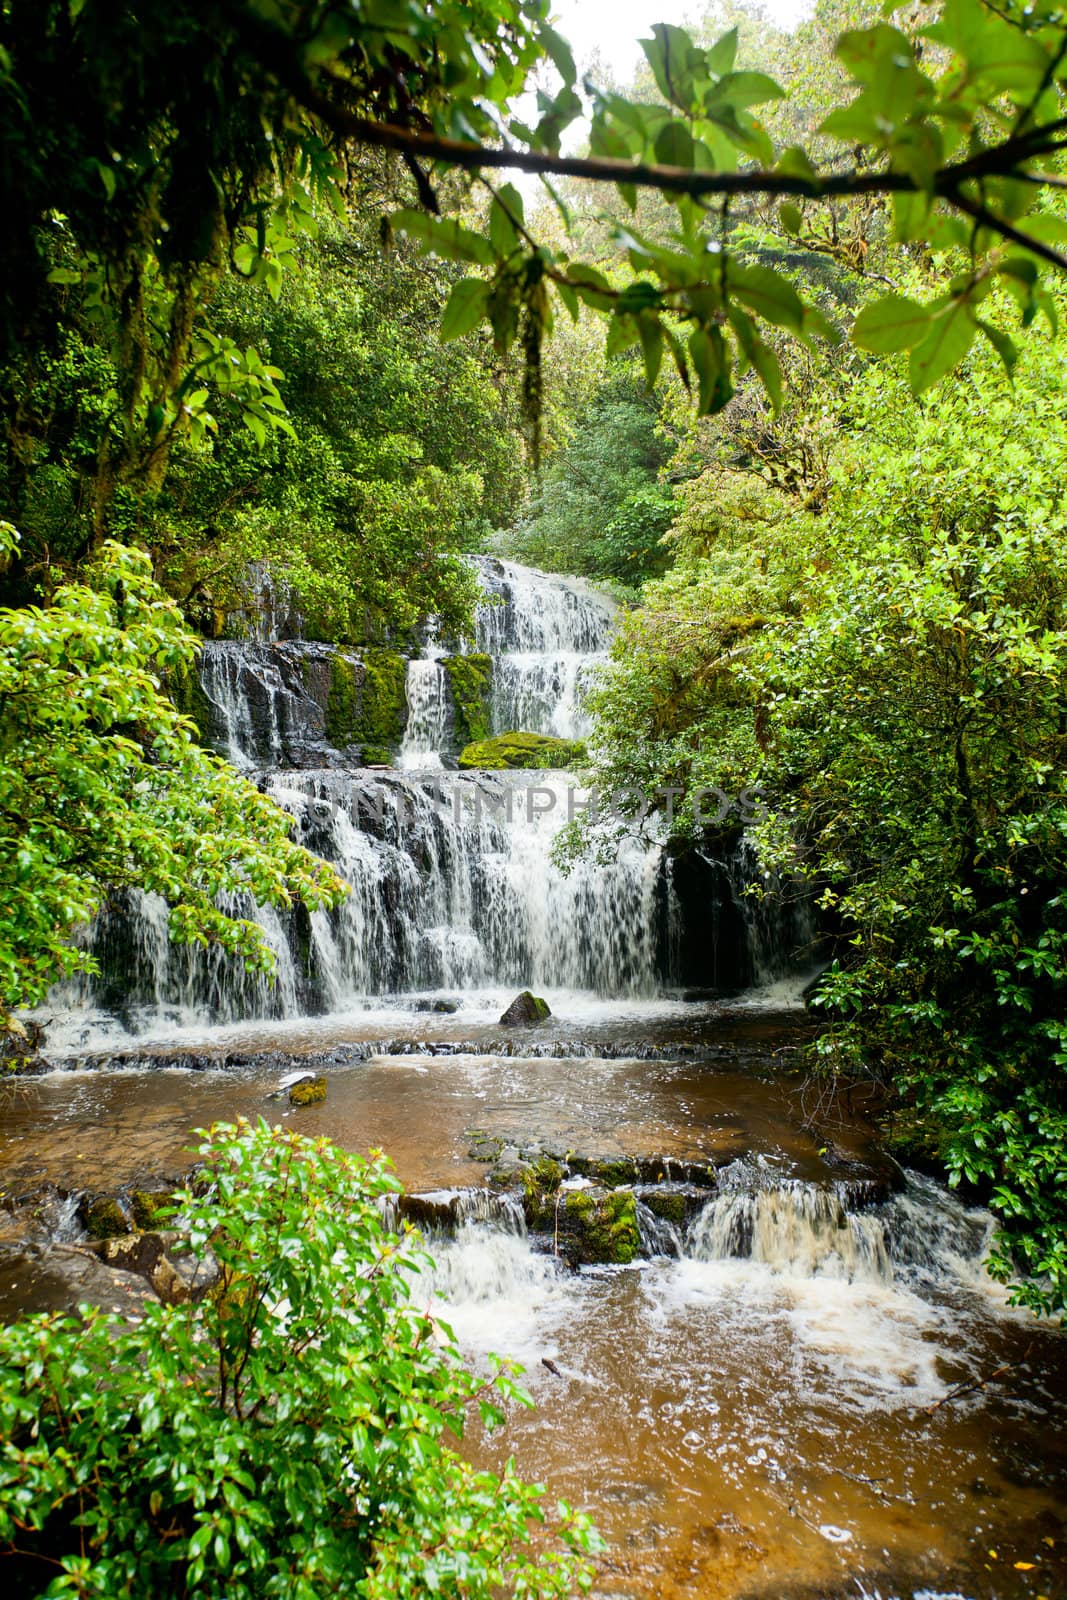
547	636
452	882
429	725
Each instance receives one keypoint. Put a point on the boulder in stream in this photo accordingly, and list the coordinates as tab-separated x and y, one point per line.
525	1011
308	1091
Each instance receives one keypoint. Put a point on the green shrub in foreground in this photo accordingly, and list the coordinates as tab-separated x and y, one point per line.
288	1436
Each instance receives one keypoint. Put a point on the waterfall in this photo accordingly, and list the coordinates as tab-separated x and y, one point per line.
538	612
429	724
452	879
802	1230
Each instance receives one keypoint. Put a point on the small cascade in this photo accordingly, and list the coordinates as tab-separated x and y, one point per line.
803	1230
543	693
658	1236
429	726
265	704
799	1229
547	635
538	612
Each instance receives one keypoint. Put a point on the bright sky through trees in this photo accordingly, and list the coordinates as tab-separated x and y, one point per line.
612	28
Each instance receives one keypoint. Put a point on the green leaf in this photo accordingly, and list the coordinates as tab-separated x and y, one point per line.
767	293
891	323
747	89
766	364
650	331
790	217
794	162
570	300
467	305
559	53
723	53
674	145
1001	344
673	58
944	347
444	237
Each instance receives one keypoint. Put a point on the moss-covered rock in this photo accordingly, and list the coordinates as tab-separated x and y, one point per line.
540	1187
471	680
611	1171
147	1207
509	751
671	1205
598	1226
525	1011
185	689
308	1092
103	1217
367	704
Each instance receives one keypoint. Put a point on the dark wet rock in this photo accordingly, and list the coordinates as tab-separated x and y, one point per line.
484	1148
445	1006
64	1277
20	1045
308	1092
146	1255
509	1171
525	1011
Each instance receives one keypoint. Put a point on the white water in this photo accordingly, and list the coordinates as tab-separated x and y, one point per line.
546	634
452	882
429	723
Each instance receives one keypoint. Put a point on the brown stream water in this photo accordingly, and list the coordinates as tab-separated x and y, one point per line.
740	1426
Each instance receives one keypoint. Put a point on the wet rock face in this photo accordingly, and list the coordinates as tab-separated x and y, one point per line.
297	704
525	1011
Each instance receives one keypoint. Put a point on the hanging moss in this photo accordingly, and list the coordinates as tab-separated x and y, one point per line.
470	679
367	705
509	750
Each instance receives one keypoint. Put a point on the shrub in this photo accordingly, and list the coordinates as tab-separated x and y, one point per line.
288	1436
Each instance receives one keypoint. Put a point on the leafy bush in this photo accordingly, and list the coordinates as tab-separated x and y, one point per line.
288	1436
102	785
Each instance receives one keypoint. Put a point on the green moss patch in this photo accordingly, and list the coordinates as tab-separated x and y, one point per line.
471	680
367	705
599	1227
516	750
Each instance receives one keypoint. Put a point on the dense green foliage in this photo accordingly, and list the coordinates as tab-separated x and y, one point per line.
600	507
890	670
102	784
290	1435
403	450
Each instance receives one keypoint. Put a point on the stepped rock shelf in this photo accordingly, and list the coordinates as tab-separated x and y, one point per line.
734	1312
